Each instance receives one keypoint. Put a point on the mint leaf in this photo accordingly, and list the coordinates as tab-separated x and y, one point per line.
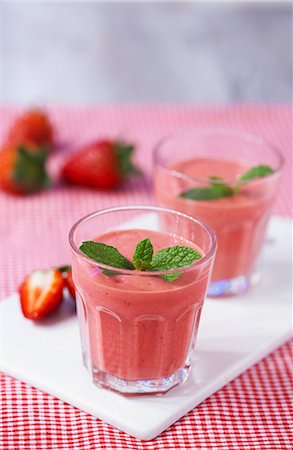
219	189
213	192
257	172
105	254
171	276
143	255
173	258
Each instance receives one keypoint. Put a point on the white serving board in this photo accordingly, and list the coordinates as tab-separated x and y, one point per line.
234	334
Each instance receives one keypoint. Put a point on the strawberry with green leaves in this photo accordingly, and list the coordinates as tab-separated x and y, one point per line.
103	164
23	169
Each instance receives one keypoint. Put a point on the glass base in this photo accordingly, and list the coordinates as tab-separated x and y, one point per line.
140	387
232	287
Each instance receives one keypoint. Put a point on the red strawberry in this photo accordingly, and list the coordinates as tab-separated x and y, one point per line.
33	126
22	169
41	293
67	275
69	284
102	164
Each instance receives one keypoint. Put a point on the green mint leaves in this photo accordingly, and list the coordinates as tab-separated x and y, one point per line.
165	259
143	255
219	189
257	172
143	258
173	258
105	254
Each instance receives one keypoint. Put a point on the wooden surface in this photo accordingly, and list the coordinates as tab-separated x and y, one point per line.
91	52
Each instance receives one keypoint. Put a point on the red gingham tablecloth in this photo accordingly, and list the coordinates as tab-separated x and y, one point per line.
253	411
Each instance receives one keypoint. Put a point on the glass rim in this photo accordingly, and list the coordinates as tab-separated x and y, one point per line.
221	132
199	262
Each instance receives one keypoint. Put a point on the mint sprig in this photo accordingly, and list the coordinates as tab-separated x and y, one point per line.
143	255
257	172
105	254
218	189
213	192
143	258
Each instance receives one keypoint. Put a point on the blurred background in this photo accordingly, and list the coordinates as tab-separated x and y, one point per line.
89	53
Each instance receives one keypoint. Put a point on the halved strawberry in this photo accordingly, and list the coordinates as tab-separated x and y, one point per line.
41	293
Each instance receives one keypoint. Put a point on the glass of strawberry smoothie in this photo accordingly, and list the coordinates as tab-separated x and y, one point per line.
207	174
137	327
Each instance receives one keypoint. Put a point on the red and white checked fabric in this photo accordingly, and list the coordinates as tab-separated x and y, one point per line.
252	412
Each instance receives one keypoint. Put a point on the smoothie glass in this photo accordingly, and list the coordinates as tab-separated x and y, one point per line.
138	330
186	160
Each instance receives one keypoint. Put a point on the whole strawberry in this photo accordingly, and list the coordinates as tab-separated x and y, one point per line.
32	126
101	164
22	169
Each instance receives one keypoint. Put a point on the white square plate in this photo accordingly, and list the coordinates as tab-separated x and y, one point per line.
233	335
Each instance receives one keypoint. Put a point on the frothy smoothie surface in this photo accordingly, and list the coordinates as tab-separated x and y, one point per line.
203	168
126	241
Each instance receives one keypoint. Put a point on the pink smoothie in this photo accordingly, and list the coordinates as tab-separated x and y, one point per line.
139	327
239	221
